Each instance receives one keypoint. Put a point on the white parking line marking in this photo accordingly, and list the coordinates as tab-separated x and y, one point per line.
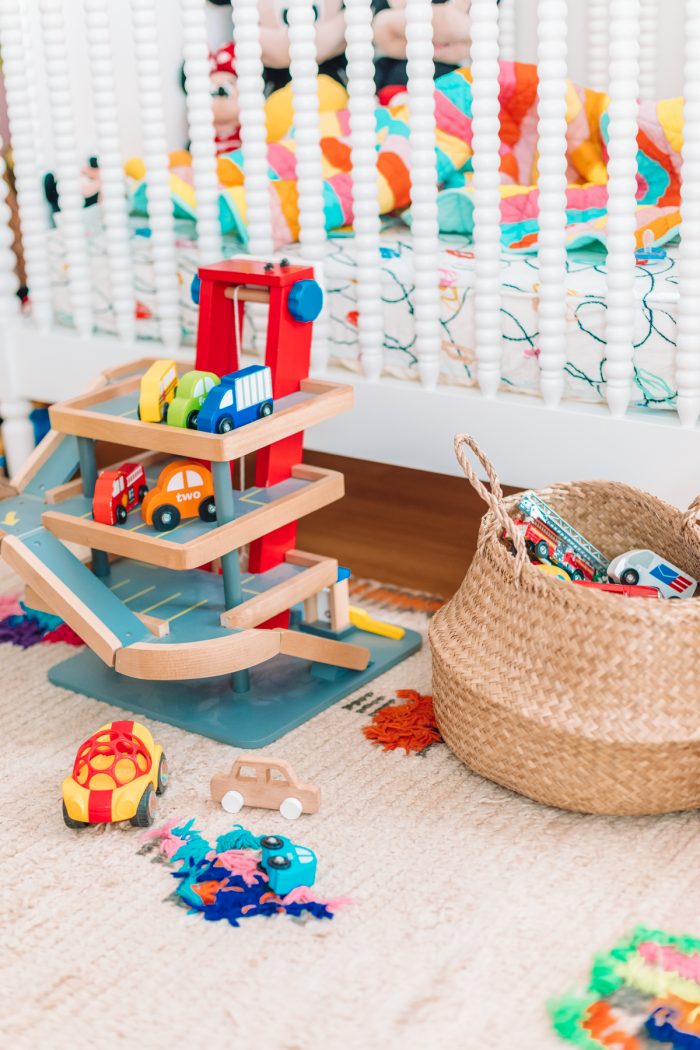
163	601
139	593
183	611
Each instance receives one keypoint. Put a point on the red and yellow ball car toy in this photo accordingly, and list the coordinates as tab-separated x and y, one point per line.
117	774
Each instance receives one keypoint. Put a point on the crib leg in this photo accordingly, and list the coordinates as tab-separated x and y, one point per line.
17	433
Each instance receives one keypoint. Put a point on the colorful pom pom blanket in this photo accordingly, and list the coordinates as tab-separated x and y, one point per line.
658	181
643	993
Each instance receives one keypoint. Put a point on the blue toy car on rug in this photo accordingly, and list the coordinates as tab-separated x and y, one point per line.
286	864
241	397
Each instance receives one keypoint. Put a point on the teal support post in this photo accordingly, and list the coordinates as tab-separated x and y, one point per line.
88	473
230	563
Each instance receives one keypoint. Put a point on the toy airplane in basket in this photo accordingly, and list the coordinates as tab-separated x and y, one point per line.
553	539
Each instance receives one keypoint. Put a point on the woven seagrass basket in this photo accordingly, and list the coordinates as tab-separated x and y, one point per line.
574	697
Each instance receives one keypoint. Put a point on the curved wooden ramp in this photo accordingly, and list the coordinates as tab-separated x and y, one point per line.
123	640
74	593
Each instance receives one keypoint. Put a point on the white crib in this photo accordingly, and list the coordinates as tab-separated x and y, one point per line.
94	101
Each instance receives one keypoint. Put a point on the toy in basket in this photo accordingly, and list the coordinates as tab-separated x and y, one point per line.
637	566
552	539
574	697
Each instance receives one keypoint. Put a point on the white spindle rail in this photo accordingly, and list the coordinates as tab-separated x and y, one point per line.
648	31
597	13
507	30
113	197
9	303
552	60
424	213
17	428
155	151
32	206
622	187
251	100
312	234
487	197
68	165
201	128
360	70
688	348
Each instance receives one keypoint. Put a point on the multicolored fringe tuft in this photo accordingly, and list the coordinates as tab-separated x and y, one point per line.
385	597
26	627
225	882
410	725
643	993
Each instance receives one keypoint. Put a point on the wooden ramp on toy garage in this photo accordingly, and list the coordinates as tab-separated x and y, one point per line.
165	629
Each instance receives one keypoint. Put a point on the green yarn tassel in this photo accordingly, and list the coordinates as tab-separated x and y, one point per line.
567	1015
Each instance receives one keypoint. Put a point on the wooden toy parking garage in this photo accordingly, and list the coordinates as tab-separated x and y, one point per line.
228	655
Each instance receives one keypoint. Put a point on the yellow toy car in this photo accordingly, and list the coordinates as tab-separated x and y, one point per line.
117	774
158	386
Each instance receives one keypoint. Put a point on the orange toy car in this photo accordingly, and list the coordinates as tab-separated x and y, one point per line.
184	490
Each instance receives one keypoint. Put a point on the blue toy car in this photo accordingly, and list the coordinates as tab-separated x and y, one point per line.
286	864
240	398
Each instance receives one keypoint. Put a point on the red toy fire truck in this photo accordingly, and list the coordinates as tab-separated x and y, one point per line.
546	545
117	492
550	538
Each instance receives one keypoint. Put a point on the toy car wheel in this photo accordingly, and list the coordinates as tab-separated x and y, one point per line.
577	575
146	812
542	549
232	801
192	420
291	808
266	408
166	518
207	509
225	425
163	775
630	577
120	514
271	842
164	411
143	491
279	863
138	411
69	822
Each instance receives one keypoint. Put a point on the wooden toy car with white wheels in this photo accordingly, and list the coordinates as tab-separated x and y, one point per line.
269	783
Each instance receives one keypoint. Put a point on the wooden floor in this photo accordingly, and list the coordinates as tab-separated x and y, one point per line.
398	526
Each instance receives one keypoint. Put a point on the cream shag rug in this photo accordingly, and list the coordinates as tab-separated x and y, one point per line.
472	906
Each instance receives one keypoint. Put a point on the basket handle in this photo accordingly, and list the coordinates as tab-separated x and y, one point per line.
691	518
494	497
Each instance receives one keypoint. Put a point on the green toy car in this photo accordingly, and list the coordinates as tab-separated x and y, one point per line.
189	396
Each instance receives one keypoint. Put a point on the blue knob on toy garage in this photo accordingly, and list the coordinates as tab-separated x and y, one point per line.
194	288
305	301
